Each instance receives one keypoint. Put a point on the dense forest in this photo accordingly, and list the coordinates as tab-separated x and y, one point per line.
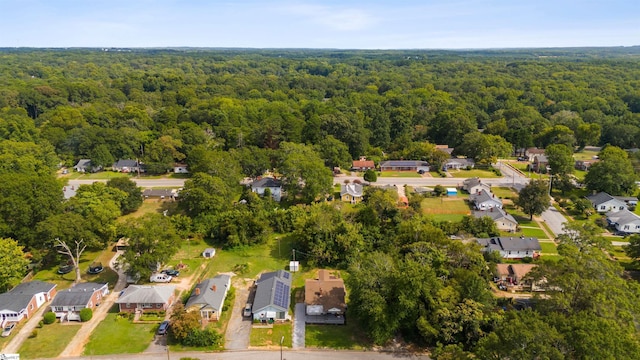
234	113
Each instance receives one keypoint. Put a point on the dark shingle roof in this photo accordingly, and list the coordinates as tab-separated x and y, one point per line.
510	243
18	298
273	289
599	198
207	296
494	214
267	182
125	163
159	192
622	217
78	295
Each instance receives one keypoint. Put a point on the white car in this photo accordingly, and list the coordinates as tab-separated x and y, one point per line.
160	278
8	329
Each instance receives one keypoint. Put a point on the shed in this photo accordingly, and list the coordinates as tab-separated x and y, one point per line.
452	191
208	253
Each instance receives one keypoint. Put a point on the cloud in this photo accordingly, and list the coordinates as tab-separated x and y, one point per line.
335	18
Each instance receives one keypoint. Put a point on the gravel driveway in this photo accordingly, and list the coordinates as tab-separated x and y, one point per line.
239	328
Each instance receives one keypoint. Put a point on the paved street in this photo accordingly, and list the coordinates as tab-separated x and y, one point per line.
554	219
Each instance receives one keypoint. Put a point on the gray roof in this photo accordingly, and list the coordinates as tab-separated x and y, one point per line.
19	297
622	217
541	159
495	214
208	297
484	196
83	163
273	289
510	243
404	163
267	182
146	294
626	199
351	189
600	198
125	163
78	295
464	162
159	192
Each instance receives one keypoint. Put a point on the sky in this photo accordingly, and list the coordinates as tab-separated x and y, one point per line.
347	24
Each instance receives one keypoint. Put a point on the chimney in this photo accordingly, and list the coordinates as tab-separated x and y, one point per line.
214	288
197	291
491	210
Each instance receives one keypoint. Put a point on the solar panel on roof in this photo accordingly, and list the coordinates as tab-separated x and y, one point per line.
281	296
285	275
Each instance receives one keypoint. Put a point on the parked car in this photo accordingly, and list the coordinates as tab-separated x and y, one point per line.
164	326
247	310
95	268
8	329
160	278
171	272
65	269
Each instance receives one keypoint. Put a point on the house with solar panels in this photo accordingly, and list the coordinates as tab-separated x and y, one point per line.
273	297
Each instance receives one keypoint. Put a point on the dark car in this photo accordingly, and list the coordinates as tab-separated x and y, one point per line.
171	272
95	268
65	269
162	330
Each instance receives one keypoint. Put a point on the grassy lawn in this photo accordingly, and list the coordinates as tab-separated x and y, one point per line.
548	248
49	342
472	173
445	205
271	337
447	217
504	192
538	233
119	336
348	337
580	174
149	206
100	175
399	174
585	155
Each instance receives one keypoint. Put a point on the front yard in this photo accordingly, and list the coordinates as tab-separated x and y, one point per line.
119	335
347	337
400	174
49	342
272	337
465	174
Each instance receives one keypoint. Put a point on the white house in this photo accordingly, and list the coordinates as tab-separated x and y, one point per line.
512	247
274	186
604	203
273	297
208	297
624	221
503	220
485	200
179	168
475	186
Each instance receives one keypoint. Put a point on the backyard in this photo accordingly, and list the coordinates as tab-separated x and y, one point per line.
446	208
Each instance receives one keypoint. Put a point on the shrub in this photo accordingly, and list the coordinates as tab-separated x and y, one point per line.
527	259
86	314
33	334
370	176
40	324
49	318
228	301
201	338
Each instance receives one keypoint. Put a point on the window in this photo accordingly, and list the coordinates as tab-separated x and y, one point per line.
58	309
30	306
626	227
602	207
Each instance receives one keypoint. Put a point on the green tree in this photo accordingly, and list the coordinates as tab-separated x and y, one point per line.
370	176
533	199
334	153
134	193
560	159
483	148
205	194
303	172
13	264
152	240
613	174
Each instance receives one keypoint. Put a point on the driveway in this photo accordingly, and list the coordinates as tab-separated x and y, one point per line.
14	344
299	326
239	327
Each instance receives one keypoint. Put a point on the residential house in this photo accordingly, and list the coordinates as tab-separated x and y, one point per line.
405	165
274	185
273	297
532	152
516	275
167	194
324	299
485	200
179	168
445	148
475	185
503	220
363	165
457	164
604	203
512	247
68	303
584	165
539	163
624	221
208	297
84	165
630	201
351	193
145	298
24	300
128	166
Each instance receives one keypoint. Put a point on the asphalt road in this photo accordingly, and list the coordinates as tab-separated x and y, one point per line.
554	219
264	355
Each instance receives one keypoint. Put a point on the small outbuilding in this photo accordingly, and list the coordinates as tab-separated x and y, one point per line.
208	253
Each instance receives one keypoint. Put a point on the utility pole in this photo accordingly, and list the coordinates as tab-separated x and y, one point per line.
281	341
294	254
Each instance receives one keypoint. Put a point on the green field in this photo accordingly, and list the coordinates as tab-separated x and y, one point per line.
50	341
119	336
473	173
348	336
400	174
537	233
504	192
272	337
548	248
585	155
446	206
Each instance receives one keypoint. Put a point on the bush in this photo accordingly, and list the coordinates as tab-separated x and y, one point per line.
228	301
370	176
40	324
527	259
201	338
49	318
602	222
33	334
86	314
